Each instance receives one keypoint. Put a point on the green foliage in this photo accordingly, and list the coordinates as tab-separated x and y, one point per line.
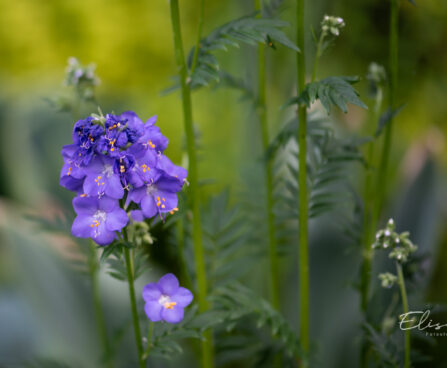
386	117
224	234
271	8
113	257
329	159
386	351
248	30
164	342
235	302
331	91
239	84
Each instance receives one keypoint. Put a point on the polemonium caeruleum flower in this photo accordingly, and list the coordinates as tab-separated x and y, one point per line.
165	300
98	218
118	157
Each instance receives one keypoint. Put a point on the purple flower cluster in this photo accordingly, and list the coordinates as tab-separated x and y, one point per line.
113	156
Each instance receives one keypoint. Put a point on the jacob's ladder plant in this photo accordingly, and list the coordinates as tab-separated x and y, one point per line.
119	173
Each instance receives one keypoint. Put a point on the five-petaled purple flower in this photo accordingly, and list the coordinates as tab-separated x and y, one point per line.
113	156
98	218
166	300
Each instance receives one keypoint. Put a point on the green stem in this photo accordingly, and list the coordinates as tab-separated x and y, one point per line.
149	341
262	108
133	302
199	36
207	348
317	56
302	183
384	161
403	293
368	223
97	305
181	251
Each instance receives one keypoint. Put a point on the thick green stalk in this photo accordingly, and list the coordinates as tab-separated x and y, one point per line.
207	349
403	293
97	305
268	172
133	303
302	183
199	36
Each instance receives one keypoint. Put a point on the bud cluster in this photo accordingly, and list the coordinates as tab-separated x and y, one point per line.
332	25
400	245
81	77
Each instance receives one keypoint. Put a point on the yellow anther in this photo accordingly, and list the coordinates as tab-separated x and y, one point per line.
164	200
69	171
83	195
149	142
95	223
112	149
163	206
170	305
122	168
158	199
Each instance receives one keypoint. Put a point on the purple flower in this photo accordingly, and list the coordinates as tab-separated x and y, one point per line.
102	179
98	218
159	196
152	137
165	300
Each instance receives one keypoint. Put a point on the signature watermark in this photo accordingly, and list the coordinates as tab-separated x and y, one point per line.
420	320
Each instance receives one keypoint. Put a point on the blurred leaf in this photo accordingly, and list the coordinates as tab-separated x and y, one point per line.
249	30
337	91
386	117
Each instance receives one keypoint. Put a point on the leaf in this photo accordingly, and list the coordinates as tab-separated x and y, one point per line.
248	29
386	117
336	91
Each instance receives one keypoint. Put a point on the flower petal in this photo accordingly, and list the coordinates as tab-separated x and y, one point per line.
153	311
174	315
183	297
102	236
148	206
92	185
168	284
116	220
137	215
114	188
151	292
108	204
81	226
85	205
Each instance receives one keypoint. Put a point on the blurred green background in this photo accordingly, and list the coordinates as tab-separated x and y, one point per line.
44	305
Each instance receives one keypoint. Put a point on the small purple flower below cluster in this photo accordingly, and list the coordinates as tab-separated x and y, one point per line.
166	299
113	155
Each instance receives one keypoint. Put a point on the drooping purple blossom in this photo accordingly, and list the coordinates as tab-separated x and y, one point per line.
166	299
116	157
98	218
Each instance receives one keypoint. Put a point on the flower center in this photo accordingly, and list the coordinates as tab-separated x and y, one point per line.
165	301
108	170
100	216
150	188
